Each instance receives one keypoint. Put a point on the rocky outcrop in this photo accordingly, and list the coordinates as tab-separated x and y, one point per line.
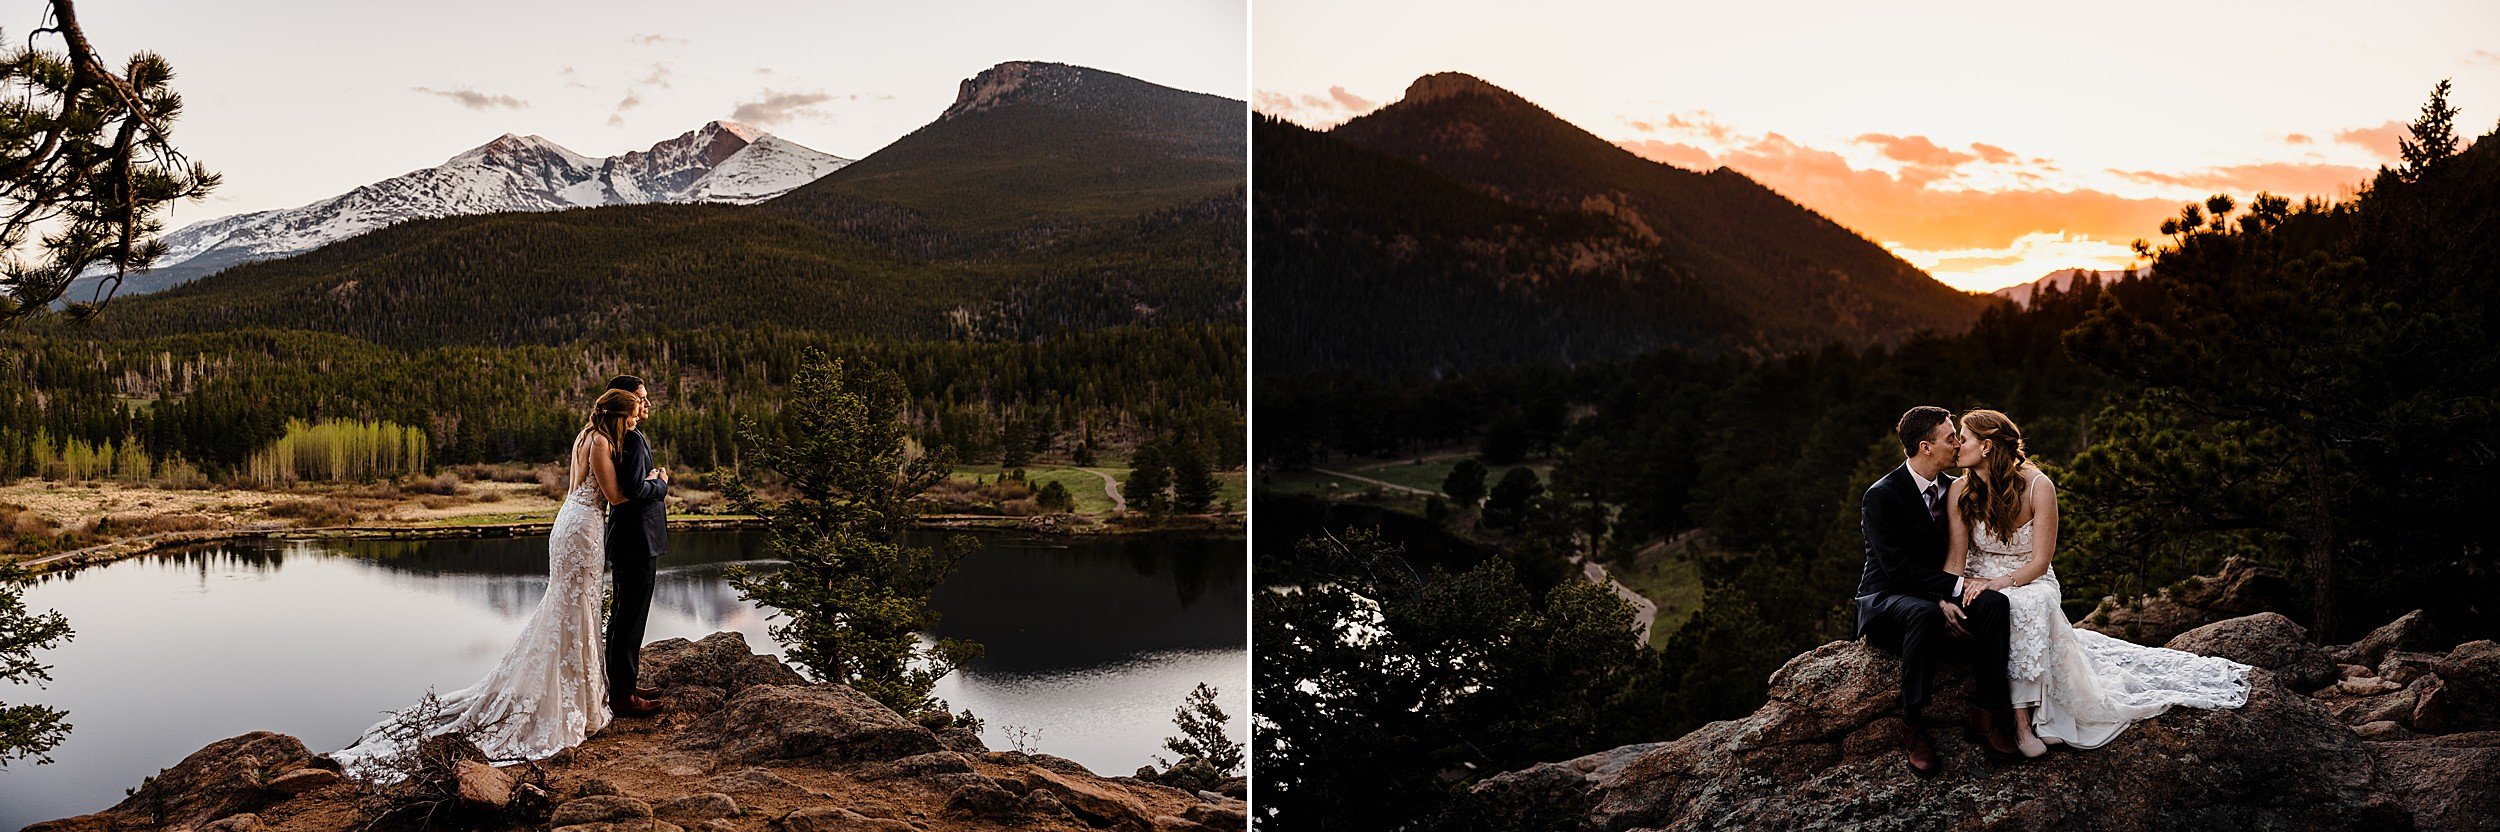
1824	753
721	661
228	777
828	724
2266	640
771	753
2241	588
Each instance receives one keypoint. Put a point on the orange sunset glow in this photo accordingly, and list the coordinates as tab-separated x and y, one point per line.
1987	146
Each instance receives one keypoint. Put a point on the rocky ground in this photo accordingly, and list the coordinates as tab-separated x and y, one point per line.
745	744
2390	732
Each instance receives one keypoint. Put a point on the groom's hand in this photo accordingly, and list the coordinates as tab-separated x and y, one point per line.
1953	619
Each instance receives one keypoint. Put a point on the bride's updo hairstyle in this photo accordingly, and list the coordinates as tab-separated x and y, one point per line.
1997	499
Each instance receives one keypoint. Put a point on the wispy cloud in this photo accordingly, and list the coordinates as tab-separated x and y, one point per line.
2380	141
1314	110
2484	57
781	107
1986	216
632	99
777	107
656	40
2300	178
475	100
656	76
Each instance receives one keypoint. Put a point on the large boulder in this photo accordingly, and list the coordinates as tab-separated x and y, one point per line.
1098	803
2266	640
722	661
823	723
2464	691
2240	588
2409	632
1824	753
230	776
2449	783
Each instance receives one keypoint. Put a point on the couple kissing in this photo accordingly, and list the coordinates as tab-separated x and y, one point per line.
1958	567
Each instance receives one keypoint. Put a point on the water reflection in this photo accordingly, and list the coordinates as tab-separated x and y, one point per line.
1091	643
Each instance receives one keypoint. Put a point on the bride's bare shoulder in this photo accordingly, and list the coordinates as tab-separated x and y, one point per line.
2039	477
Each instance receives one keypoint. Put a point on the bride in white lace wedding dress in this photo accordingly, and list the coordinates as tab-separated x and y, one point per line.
2069	686
550	692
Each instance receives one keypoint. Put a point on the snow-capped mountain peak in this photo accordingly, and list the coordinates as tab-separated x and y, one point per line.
721	161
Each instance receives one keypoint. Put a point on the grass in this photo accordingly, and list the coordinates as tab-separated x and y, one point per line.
1231	487
1309	483
1668	577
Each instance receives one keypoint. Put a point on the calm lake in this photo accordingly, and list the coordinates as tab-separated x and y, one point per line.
1092	642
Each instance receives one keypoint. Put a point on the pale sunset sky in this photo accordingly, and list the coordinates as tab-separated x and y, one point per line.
300	100
1988	143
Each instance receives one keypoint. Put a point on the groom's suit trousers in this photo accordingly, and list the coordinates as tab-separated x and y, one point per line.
1914	627
628	614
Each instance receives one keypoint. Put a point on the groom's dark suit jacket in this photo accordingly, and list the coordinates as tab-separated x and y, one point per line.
1905	546
638	526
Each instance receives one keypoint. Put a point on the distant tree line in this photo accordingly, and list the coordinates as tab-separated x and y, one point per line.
216	401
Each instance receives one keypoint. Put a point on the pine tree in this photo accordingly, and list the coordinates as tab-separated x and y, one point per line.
1465	483
1193	486
856	598
2431	138
91	164
1202	737
26	730
1508	504
1149	480
1054	497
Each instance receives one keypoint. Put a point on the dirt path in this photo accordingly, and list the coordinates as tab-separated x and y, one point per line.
1384	484
1644	611
1111	489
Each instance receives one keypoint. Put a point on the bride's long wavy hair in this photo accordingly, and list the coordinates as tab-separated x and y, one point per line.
1998	498
607	418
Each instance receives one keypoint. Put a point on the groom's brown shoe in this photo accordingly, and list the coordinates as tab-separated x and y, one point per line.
1994	734
636	706
1921	750
646	692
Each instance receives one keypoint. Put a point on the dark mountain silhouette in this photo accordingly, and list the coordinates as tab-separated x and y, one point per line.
1629	254
1030	143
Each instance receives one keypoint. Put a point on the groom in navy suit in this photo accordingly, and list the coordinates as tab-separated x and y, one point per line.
1908	604
637	535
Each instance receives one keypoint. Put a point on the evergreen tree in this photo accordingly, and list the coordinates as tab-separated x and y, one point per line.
856	598
26	730
1054	497
1465	483
2431	138
1015	448
1149	480
1193	486
1507	506
1202	732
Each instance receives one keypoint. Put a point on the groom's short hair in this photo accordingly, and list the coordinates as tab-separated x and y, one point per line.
1917	424
626	383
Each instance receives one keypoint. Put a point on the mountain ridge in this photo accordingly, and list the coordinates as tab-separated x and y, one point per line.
720	161
846	265
1770	255
1465	226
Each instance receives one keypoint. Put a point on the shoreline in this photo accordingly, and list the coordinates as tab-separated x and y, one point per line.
1060	525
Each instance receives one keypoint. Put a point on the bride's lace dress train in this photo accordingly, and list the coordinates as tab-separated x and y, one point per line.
550	691
2085	687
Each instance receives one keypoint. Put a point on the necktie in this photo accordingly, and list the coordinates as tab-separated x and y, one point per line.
1935	502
